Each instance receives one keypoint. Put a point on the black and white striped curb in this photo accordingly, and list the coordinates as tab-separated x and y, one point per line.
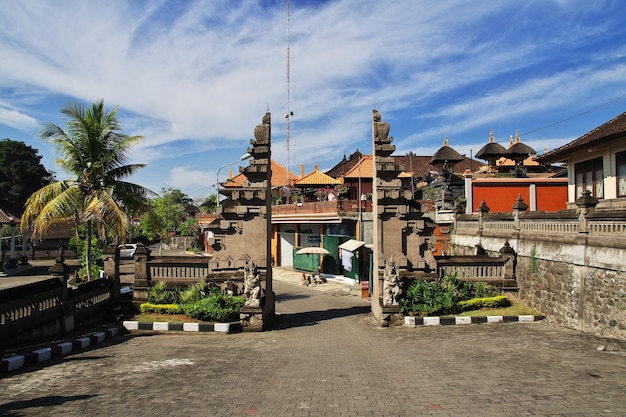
162	326
59	350
455	320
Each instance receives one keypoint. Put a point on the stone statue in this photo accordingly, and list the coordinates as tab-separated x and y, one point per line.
391	285
252	285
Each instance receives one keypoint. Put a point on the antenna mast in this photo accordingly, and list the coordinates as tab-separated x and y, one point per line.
289	113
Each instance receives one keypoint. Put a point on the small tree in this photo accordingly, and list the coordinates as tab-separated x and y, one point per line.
93	152
169	209
190	227
209	204
149	225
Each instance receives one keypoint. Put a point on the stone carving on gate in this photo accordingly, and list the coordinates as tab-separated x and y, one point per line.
252	285
391	285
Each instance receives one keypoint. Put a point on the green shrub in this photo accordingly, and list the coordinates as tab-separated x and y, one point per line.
533	259
486	302
442	296
192	294
426	298
218	306
482	289
159	308
158	294
193	302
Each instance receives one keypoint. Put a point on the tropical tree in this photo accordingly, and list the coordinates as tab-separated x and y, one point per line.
209	204
169	209
21	171
149	225
94	152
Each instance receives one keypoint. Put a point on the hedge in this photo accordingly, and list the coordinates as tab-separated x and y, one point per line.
486	302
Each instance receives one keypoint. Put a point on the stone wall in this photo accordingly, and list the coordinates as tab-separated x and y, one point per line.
580	297
570	266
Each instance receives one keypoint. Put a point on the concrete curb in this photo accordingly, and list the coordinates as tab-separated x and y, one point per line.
59	350
161	326
459	320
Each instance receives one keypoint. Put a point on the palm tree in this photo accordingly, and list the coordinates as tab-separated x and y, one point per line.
93	152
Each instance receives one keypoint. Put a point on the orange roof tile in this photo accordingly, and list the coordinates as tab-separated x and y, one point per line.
363	170
236	181
316	178
279	177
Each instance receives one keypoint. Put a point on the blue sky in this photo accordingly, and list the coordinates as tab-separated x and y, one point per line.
195	78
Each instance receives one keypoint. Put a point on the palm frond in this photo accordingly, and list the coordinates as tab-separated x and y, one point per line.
55	203
102	208
123	171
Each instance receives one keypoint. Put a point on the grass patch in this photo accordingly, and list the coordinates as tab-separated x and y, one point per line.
515	309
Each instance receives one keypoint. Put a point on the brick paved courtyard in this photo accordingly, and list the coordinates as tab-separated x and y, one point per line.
327	358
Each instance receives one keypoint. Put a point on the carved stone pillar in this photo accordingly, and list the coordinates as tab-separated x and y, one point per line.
586	205
61	271
142	275
519	207
511	260
111	258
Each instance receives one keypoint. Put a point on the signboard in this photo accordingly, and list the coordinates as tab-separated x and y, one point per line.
313	239
338	230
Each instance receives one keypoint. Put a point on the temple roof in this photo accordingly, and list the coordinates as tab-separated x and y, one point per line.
345	165
362	170
446	154
8	211
491	150
279	177
316	178
519	150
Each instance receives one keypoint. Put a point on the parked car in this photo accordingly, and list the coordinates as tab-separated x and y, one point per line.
127	251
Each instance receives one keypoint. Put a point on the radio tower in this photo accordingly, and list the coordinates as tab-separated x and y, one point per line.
289	113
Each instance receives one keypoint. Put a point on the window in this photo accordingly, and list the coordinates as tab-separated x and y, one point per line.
620	165
590	176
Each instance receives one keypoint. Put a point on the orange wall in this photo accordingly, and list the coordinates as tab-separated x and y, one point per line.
552	197
501	195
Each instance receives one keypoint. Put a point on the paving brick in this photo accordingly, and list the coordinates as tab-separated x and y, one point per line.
326	357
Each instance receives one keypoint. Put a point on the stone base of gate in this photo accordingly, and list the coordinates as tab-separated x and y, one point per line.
391	316
251	319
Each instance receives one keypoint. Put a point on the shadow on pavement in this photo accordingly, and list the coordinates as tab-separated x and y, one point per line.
310	318
50	400
286	296
121	338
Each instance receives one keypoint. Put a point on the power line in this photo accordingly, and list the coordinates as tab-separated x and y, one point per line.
599	106
574	117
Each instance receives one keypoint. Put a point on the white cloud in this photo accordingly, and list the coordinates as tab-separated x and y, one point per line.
16	119
183	177
193	77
